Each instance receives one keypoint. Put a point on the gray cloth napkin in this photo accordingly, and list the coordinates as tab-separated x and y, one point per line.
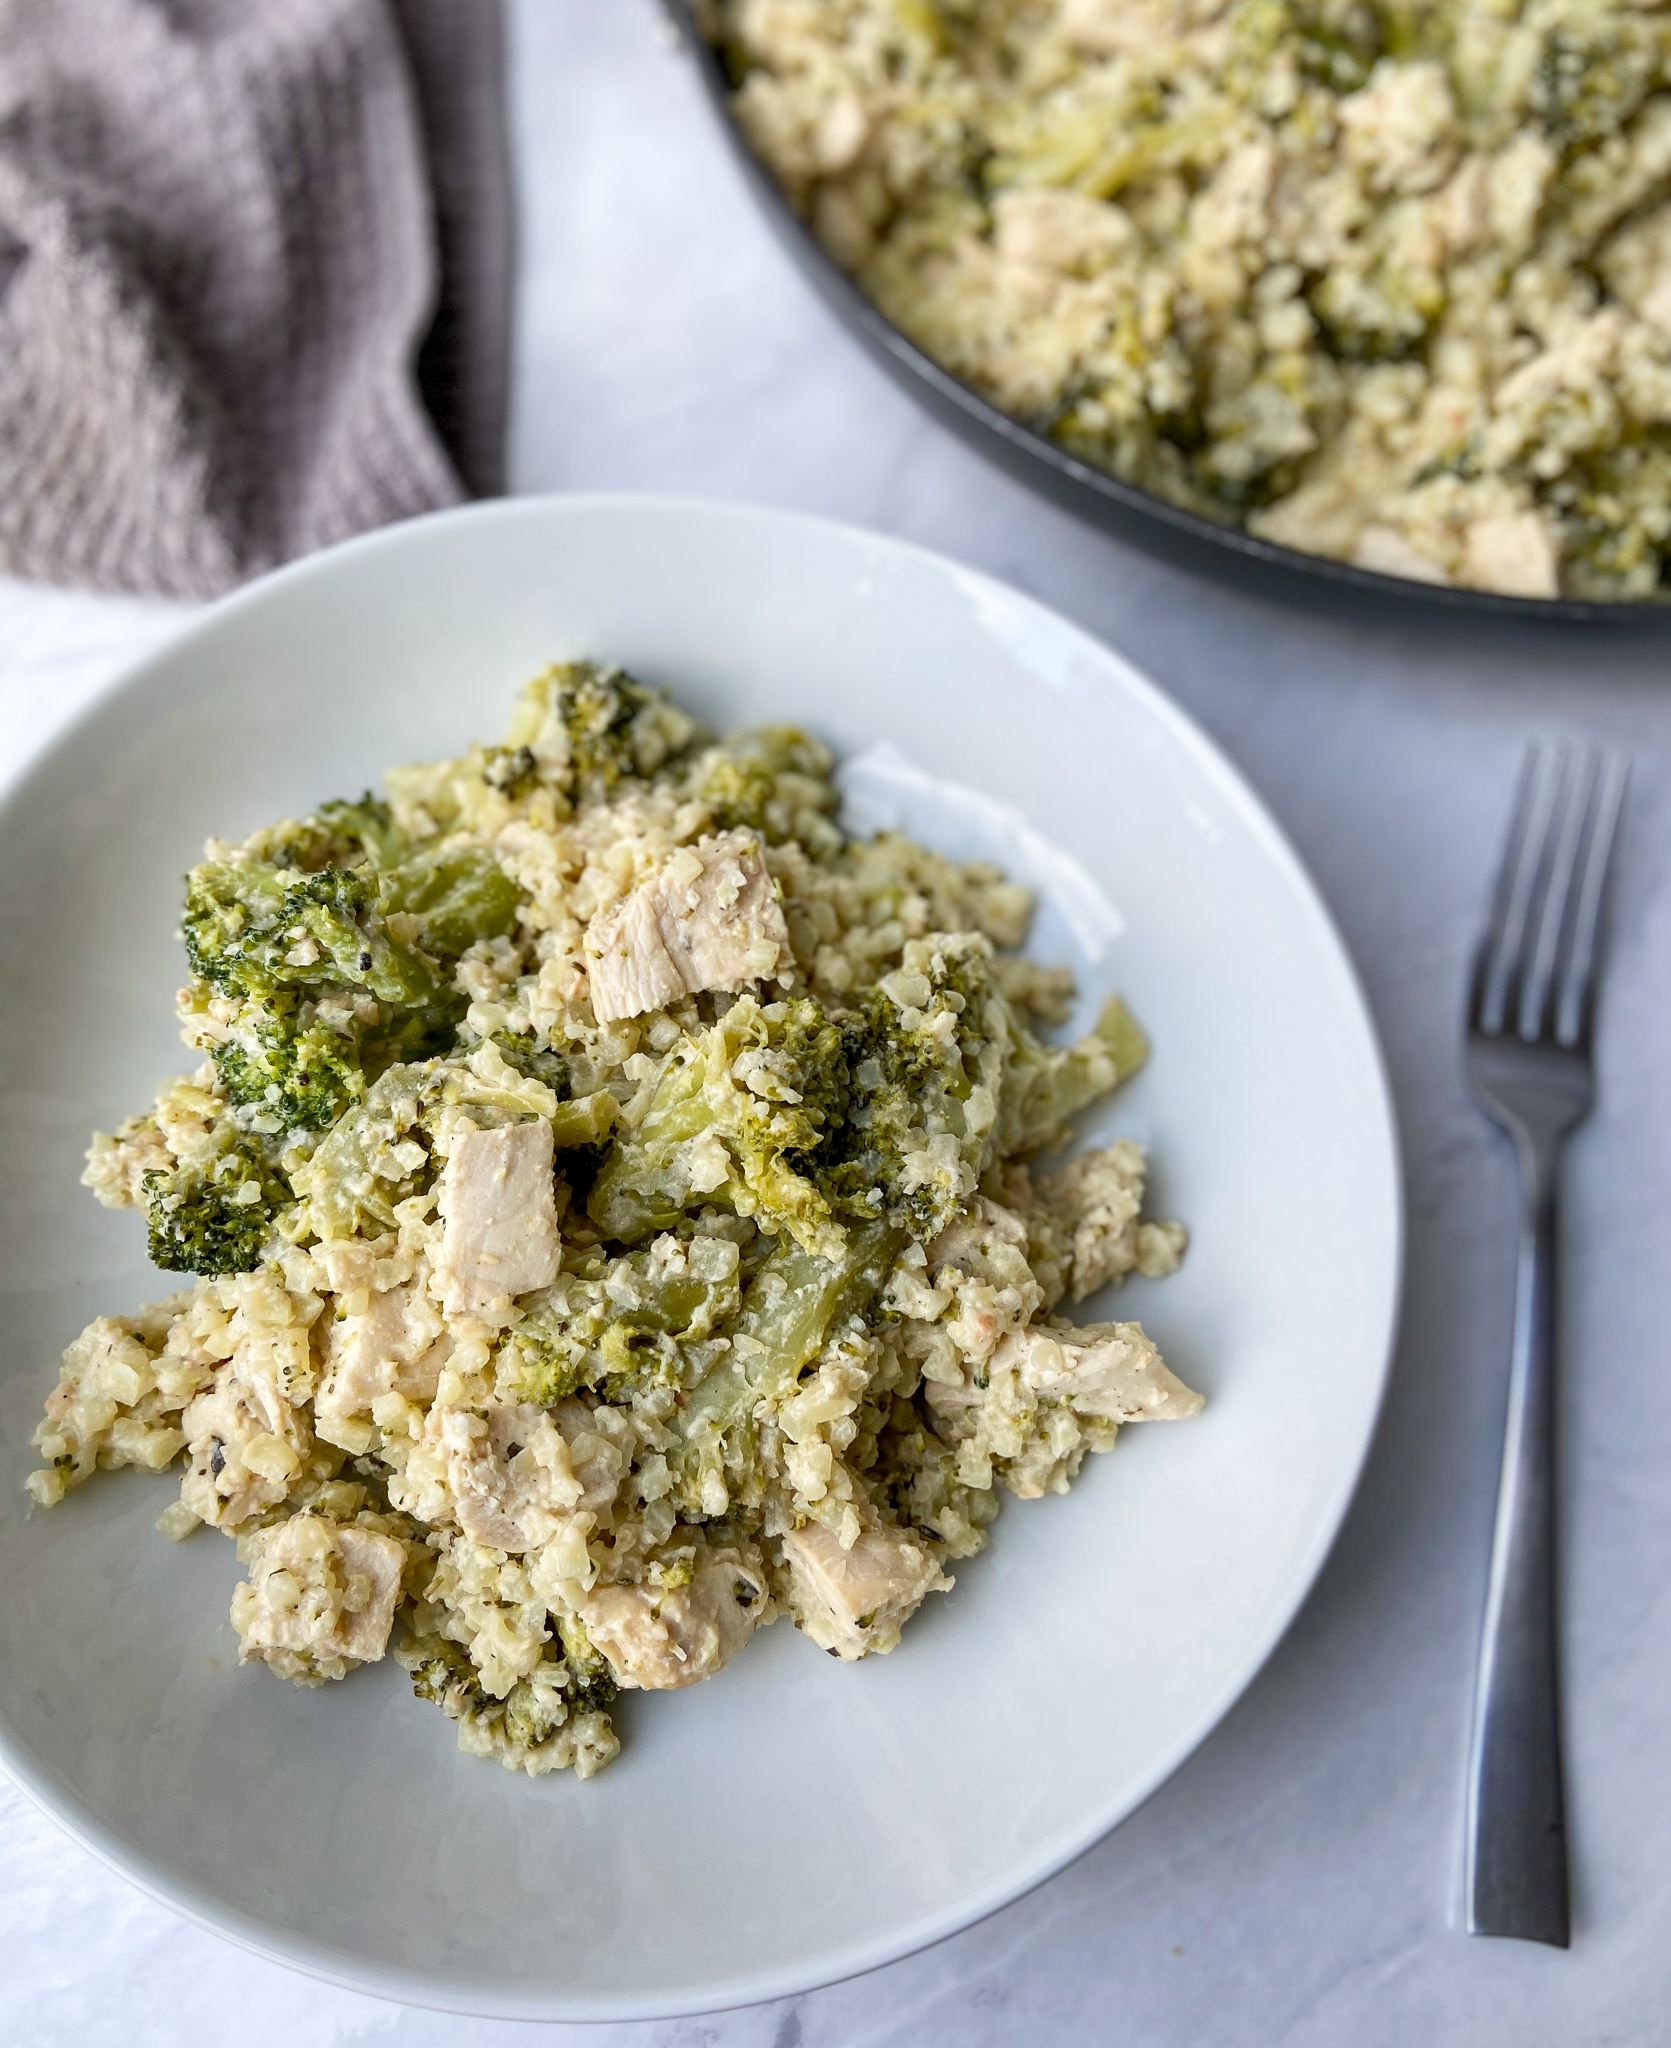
254	279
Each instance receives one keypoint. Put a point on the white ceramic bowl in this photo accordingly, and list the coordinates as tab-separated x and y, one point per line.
794	1820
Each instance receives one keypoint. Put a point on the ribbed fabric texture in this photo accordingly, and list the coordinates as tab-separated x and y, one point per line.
218	263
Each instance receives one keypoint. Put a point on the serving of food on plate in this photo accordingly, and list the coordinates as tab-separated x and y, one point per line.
1383	281
613	1195
633	1184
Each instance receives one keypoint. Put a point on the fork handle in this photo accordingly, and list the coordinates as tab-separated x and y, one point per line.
1516	1874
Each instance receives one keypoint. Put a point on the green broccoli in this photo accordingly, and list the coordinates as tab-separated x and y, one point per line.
462	894
589	728
282	939
1335	42
1592	78
924	1051
305	1075
1614	509
1383	316
365	831
592	1687
512	771
537	1062
796	1298
1046	1085
644	1184
444	1675
215	1212
773	1123
621	1322
250	928
886	1111
791	1305
530	1713
372	1157
339	834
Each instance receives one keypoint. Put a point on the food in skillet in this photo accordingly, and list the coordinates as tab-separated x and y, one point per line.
1383	280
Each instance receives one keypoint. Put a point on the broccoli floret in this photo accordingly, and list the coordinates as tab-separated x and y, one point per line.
1592	77
251	928
363	831
769	1083
1614	509
792	1303
644	1183
588	728
792	1096
281	939
512	771
371	1158
306	1075
462	895
887	1111
525	1717
213	1214
536	1708
338	834
620	1323
553	1362
445	1674
1046	1085
592	1687
569	1340
925	1051
1382	317
1336	42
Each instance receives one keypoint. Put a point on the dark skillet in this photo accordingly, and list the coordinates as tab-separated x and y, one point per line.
1226	552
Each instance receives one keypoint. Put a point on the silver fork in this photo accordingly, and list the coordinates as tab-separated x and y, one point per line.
1530	1064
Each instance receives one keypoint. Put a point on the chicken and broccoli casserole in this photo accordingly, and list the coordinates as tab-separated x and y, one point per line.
1384	280
614	1204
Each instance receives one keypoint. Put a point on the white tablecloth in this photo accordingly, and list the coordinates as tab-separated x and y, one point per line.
1294	1882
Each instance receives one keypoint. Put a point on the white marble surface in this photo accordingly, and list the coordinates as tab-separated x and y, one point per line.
1293	1884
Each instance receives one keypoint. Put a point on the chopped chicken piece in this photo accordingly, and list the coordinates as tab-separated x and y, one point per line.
510	1475
1107	1369
247	1443
658	1639
706	918
1513	552
320	1598
1099	1198
396	1344
499	1216
853	1602
1085	1225
1058	231
1399	128
979	1266
967	1240
1385	550
1111	28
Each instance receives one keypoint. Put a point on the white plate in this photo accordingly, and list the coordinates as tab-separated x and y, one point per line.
794	1820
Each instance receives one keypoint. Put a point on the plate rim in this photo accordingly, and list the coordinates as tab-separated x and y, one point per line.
857	1959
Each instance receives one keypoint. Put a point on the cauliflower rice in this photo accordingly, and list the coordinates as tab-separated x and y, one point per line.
1384	280
613	1201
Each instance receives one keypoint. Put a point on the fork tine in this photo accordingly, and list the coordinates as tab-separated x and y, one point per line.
1538	977
1576	987
1523	851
